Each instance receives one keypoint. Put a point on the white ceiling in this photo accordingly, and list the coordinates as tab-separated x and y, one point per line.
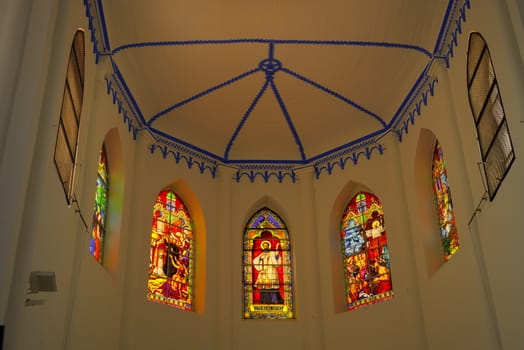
268	82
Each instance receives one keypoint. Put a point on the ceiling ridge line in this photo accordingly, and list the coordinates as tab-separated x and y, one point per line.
335	94
244	118
288	118
362	43
201	94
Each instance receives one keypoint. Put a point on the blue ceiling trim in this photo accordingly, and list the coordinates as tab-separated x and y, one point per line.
267	163
364	141
96	25
444	26
422	78
354	157
119	97
103	25
453	37
183	145
128	95
408	118
266	175
203	93
280	169
273	42
202	165
416	109
271	53
244	118
288	119
335	94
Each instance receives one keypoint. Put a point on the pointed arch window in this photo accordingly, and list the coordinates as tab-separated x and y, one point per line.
268	286
98	232
171	256
365	251
448	226
485	101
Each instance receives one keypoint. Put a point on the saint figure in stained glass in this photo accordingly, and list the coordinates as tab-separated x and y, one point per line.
448	227
100	208
365	252
171	254
267	268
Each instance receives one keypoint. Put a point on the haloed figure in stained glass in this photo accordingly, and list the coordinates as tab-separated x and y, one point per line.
268	287
267	263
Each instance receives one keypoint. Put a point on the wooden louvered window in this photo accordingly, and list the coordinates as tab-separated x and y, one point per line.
69	123
493	134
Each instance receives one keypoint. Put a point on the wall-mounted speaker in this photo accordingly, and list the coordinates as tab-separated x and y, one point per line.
40	281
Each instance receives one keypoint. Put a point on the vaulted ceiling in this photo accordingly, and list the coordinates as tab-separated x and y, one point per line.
270	84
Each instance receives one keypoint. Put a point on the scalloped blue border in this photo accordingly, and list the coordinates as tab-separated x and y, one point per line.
426	88
366	146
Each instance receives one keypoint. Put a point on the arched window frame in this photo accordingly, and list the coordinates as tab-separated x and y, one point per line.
100	211
66	145
365	252
444	204
496	147
267	268
171	257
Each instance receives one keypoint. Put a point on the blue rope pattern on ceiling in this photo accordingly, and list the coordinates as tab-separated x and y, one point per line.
201	94
405	115
244	118
288	119
273	42
333	93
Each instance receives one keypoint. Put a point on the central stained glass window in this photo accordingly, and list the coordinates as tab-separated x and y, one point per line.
171	256
268	286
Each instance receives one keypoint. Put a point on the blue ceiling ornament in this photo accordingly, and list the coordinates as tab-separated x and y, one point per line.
364	147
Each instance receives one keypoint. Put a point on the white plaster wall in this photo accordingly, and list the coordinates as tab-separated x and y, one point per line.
391	324
494	226
455	310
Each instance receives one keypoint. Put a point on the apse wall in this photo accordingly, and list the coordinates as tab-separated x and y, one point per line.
492	228
473	298
472	301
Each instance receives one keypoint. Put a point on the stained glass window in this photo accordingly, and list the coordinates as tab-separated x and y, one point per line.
96	244
171	256
268	286
365	252
448	228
